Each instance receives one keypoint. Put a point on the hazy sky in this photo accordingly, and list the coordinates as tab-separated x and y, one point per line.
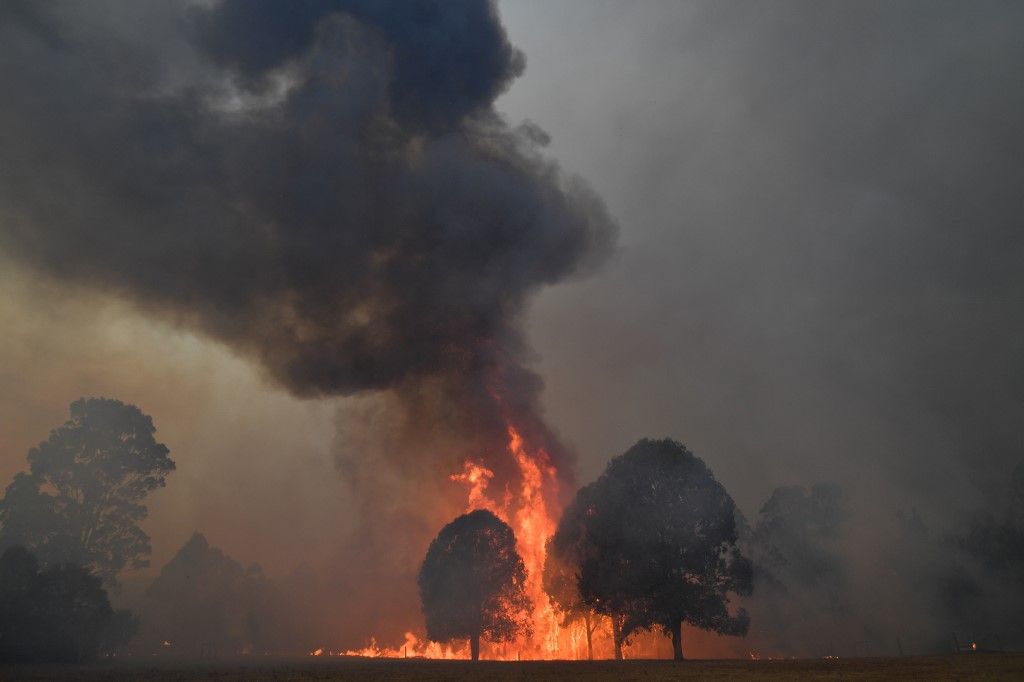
820	266
818	274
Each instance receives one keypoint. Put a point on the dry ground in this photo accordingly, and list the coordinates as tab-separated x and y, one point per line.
962	667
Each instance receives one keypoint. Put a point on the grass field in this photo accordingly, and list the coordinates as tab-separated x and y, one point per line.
963	667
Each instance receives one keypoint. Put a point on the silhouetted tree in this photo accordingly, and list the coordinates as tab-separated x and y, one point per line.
81	501
798	569
30	519
660	544
472	583
561	575
123	627
989	588
203	597
793	541
60	613
996	537
794	530
297	604
610	582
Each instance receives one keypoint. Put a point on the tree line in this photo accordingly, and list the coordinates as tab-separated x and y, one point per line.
652	544
655	543
69	526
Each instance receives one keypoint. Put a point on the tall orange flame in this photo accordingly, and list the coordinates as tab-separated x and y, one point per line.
528	515
527	510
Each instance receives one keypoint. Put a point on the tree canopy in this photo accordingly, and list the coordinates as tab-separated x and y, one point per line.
60	613
472	583
996	538
659	544
202	597
81	500
792	539
799	572
564	556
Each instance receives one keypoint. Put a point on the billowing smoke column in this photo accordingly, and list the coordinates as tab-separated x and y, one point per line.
325	187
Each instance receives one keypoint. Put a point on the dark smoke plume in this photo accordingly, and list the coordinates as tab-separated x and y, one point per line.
323	186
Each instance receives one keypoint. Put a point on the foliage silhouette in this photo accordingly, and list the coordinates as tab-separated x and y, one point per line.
472	583
659	545
60	613
800	576
81	501
202	597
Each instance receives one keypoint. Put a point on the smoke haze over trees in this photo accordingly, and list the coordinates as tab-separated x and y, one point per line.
912	591
820	268
214	210
203	602
81	501
203	598
799	570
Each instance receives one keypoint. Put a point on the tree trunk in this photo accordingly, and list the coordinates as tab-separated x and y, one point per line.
587	617
474	646
677	640
617	636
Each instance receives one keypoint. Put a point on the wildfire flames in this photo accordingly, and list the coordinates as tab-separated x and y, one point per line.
530	507
527	513
527	509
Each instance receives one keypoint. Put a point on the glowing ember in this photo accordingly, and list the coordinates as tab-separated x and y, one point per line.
318	652
414	647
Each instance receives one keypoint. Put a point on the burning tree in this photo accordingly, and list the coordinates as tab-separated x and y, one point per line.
659	545
561	576
609	588
472	583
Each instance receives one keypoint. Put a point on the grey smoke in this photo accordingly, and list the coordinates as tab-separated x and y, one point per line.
820	276
821	273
